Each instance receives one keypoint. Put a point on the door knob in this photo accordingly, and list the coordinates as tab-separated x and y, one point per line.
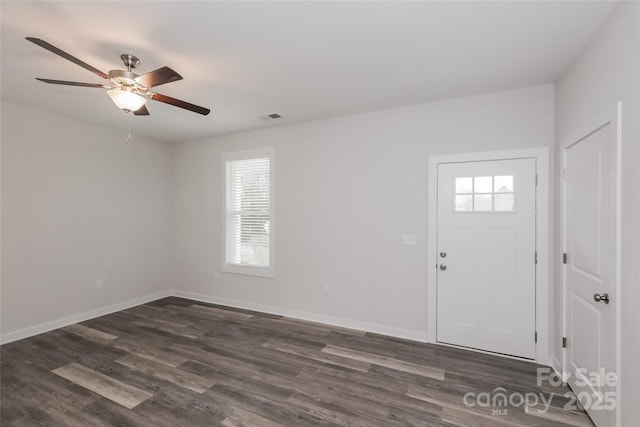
443	254
604	298
443	267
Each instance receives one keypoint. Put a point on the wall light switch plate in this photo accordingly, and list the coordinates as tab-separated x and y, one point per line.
409	240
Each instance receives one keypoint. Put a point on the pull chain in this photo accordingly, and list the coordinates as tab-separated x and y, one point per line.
128	137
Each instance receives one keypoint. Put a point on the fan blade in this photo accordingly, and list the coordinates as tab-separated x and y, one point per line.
142	111
179	103
158	77
65	55
64	82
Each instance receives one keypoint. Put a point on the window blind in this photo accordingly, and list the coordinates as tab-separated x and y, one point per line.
248	206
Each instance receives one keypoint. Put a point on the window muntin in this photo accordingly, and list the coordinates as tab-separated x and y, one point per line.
484	194
249	213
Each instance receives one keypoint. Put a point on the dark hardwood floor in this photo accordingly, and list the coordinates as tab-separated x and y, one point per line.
176	362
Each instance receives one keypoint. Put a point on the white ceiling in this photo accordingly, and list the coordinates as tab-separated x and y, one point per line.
303	60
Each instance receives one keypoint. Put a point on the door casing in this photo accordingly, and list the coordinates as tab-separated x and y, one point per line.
544	190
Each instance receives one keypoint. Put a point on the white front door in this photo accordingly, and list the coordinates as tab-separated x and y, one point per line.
590	240
486	289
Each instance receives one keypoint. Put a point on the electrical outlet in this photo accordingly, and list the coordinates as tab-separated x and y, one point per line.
409	239
98	284
326	289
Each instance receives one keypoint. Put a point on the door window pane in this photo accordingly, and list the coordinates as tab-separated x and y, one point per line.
482	202
464	203
482	184
464	185
503	184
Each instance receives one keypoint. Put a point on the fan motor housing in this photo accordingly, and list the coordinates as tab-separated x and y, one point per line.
122	79
122	76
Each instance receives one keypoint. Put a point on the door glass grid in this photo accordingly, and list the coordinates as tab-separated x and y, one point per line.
484	194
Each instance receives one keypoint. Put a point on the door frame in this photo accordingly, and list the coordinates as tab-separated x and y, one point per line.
611	116
544	190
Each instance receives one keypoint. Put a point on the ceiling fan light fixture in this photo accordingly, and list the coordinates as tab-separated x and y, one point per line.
128	90
127	100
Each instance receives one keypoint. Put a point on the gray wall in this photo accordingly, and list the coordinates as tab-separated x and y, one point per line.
346	191
79	205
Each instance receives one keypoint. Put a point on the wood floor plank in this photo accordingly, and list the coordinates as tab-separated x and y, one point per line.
337	374
31	386
37	351
214	359
261	330
220	312
213	311
176	376
144	349
573	418
335	414
164	410
241	418
320	328
387	362
405	417
485	415
461	417
353	392
153	312
57	416
318	356
260	357
272	408
90	333
165	326
258	383
121	393
117	415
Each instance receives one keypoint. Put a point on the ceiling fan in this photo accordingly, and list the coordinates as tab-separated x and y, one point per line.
128	90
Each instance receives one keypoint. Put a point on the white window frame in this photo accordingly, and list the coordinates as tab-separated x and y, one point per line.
248	269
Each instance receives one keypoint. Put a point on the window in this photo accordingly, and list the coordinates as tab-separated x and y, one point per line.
484	194
249	219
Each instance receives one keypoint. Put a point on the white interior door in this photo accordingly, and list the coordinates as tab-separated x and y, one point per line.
486	256
590	272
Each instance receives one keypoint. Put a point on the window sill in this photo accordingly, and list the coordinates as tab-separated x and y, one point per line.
248	270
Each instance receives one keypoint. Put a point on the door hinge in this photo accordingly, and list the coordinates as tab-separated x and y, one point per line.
564	342
565	174
535	339
536	179
536	258
564	258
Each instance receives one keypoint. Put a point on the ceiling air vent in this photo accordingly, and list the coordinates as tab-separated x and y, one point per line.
272	116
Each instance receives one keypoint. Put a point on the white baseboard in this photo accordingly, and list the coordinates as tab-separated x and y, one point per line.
59	323
313	317
557	366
